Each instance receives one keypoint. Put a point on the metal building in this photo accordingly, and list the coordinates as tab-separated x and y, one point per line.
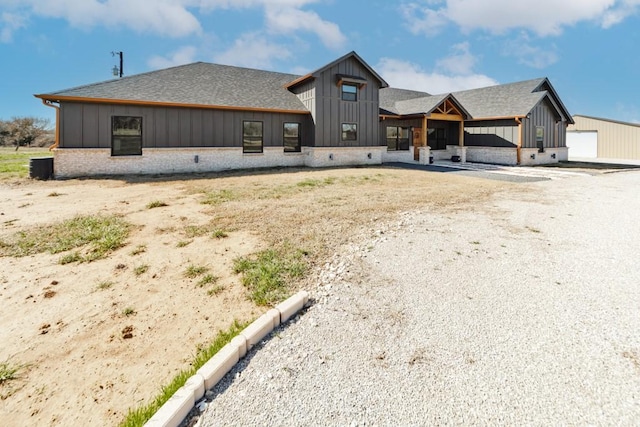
593	137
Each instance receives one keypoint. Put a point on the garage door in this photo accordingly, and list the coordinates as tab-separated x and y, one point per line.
582	144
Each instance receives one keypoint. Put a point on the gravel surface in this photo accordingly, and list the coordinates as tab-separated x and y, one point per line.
522	310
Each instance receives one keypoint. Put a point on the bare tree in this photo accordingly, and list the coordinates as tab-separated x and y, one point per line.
20	131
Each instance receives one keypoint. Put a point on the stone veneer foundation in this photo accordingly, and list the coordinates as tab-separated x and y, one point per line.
75	162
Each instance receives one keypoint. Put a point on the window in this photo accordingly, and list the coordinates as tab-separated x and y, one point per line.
251	137
291	137
349	132
397	138
540	138
437	138
349	92
126	136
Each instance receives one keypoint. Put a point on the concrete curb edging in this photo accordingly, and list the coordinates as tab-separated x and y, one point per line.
175	410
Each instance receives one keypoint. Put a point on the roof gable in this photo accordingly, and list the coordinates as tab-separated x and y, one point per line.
429	104
315	74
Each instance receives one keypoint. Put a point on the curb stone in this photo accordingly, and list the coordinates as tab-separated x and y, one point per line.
174	411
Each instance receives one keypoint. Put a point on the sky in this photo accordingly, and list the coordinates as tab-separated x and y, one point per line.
589	49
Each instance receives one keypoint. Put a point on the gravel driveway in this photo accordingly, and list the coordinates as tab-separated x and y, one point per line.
522	310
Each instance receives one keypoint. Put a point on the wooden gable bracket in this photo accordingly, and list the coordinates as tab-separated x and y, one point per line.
354	80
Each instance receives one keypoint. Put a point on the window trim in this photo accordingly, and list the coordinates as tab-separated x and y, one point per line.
350	94
298	146
244	148
131	137
343	131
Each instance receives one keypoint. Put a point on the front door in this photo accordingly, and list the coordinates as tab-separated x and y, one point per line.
417	141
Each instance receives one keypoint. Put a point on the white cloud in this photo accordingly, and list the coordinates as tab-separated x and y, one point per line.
184	55
287	20
165	17
9	23
450	75
461	62
287	17
544	17
530	55
174	18
253	50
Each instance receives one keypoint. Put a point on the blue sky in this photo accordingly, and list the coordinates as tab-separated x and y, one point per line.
590	49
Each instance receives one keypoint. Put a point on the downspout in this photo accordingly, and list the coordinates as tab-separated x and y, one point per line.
519	146
48	103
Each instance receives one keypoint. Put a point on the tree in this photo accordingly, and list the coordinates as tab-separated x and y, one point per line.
20	131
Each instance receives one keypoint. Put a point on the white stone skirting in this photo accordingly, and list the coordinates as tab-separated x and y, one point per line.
74	162
509	156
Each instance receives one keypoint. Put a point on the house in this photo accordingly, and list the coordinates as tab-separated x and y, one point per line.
598	138
205	117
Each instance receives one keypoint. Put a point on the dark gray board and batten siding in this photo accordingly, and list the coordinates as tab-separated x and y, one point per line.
323	97
85	125
544	114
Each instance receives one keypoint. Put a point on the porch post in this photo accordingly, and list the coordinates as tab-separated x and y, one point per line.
519	146
461	141
424	131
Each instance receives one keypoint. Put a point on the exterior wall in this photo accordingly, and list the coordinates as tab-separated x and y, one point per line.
616	140
344	156
89	126
401	156
69	162
544	114
493	155
491	133
332	111
531	157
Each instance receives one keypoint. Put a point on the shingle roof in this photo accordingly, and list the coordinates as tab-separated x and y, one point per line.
389	96
507	100
199	83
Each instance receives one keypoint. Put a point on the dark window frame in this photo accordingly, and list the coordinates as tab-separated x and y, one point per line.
348	132
129	139
399	143
350	96
245	150
297	147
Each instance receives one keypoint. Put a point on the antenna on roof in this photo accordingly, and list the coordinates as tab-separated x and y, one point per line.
117	71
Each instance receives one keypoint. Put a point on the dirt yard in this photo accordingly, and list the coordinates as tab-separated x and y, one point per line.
93	339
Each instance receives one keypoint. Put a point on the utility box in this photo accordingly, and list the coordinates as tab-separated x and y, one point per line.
41	168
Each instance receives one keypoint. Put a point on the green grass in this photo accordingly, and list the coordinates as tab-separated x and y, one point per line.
207	279
105	284
8	372
215	290
269	273
15	164
70	257
141	269
129	311
194	271
219	234
183	243
192	231
156	204
138	416
100	234
218	197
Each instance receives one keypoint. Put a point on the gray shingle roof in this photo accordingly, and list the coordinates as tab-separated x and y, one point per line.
389	96
507	100
199	83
